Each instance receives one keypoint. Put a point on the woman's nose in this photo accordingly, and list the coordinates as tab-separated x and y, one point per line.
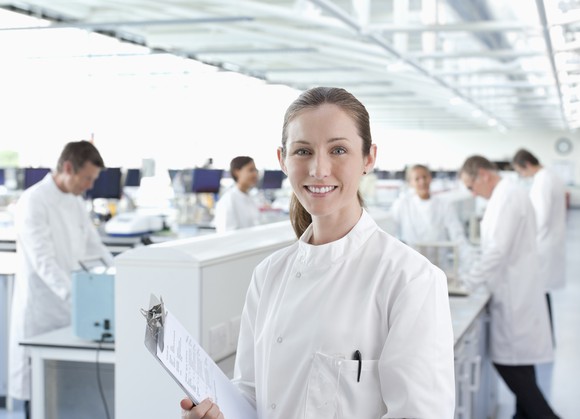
320	167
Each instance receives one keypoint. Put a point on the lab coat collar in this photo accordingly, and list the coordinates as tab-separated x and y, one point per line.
50	186
501	185
341	249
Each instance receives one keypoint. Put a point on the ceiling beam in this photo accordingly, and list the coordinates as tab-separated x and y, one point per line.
495	54
481	26
132	23
550	48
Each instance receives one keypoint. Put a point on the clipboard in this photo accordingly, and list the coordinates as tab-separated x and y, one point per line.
189	364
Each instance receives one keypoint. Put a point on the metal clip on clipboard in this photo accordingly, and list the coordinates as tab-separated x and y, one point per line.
155	319
154	333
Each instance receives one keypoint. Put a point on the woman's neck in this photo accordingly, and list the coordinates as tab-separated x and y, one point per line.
332	227
243	188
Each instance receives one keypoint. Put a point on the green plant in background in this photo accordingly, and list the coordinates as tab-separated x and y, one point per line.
8	158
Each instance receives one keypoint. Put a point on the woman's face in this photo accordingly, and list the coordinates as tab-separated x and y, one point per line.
420	180
324	160
247	176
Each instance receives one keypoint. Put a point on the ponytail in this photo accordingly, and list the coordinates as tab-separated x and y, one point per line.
299	217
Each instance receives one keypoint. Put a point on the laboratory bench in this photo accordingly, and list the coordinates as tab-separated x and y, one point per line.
64	372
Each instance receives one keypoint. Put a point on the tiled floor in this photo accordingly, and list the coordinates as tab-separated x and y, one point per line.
560	380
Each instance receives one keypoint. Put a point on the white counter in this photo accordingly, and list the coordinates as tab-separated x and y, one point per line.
464	310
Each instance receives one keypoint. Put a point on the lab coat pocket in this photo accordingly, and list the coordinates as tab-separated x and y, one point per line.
333	390
360	399
322	387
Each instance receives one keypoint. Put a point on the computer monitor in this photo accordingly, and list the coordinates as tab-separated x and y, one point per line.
2	177
400	175
382	174
34	175
133	177
107	185
272	179
173	173
206	180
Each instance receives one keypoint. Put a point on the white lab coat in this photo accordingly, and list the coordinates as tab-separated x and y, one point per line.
309	308
548	196
520	329
426	220
235	210
54	233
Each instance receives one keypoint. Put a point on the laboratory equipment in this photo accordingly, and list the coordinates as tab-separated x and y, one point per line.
93	303
133	224
445	255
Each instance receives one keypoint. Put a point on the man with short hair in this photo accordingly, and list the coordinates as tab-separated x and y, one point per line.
548	196
519	327
54	233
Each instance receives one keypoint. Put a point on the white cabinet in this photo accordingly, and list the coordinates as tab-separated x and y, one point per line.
203	281
475	379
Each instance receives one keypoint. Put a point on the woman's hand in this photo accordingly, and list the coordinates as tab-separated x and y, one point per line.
206	410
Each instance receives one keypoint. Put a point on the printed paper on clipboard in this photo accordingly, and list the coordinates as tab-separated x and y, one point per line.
189	365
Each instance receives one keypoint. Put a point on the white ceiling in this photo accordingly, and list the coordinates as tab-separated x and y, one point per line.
430	64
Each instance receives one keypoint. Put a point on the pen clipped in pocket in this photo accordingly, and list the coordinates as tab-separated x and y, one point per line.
333	390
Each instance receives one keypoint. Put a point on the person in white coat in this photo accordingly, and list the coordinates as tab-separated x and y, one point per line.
54	232
548	196
348	321
236	208
520	329
423	217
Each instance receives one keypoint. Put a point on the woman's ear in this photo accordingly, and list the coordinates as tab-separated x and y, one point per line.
369	161
280	154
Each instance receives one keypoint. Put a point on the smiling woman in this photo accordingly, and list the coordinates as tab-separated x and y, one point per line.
347	321
326	149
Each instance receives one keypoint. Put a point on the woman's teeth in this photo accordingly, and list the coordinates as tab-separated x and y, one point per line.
323	189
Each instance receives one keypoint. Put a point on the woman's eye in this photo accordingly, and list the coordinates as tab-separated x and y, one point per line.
339	150
301	152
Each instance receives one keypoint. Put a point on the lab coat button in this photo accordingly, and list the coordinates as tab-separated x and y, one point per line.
273	406
298	274
279	340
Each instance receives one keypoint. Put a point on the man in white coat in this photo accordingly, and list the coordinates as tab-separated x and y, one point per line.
520	329
548	196
54	233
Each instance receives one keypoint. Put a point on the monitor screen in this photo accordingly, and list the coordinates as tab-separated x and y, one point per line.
133	177
173	173
34	175
107	185
206	180
272	179
2	177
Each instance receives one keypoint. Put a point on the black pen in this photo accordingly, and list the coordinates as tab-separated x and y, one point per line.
357	356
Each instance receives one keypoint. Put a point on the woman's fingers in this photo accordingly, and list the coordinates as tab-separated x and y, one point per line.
186	404
206	409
